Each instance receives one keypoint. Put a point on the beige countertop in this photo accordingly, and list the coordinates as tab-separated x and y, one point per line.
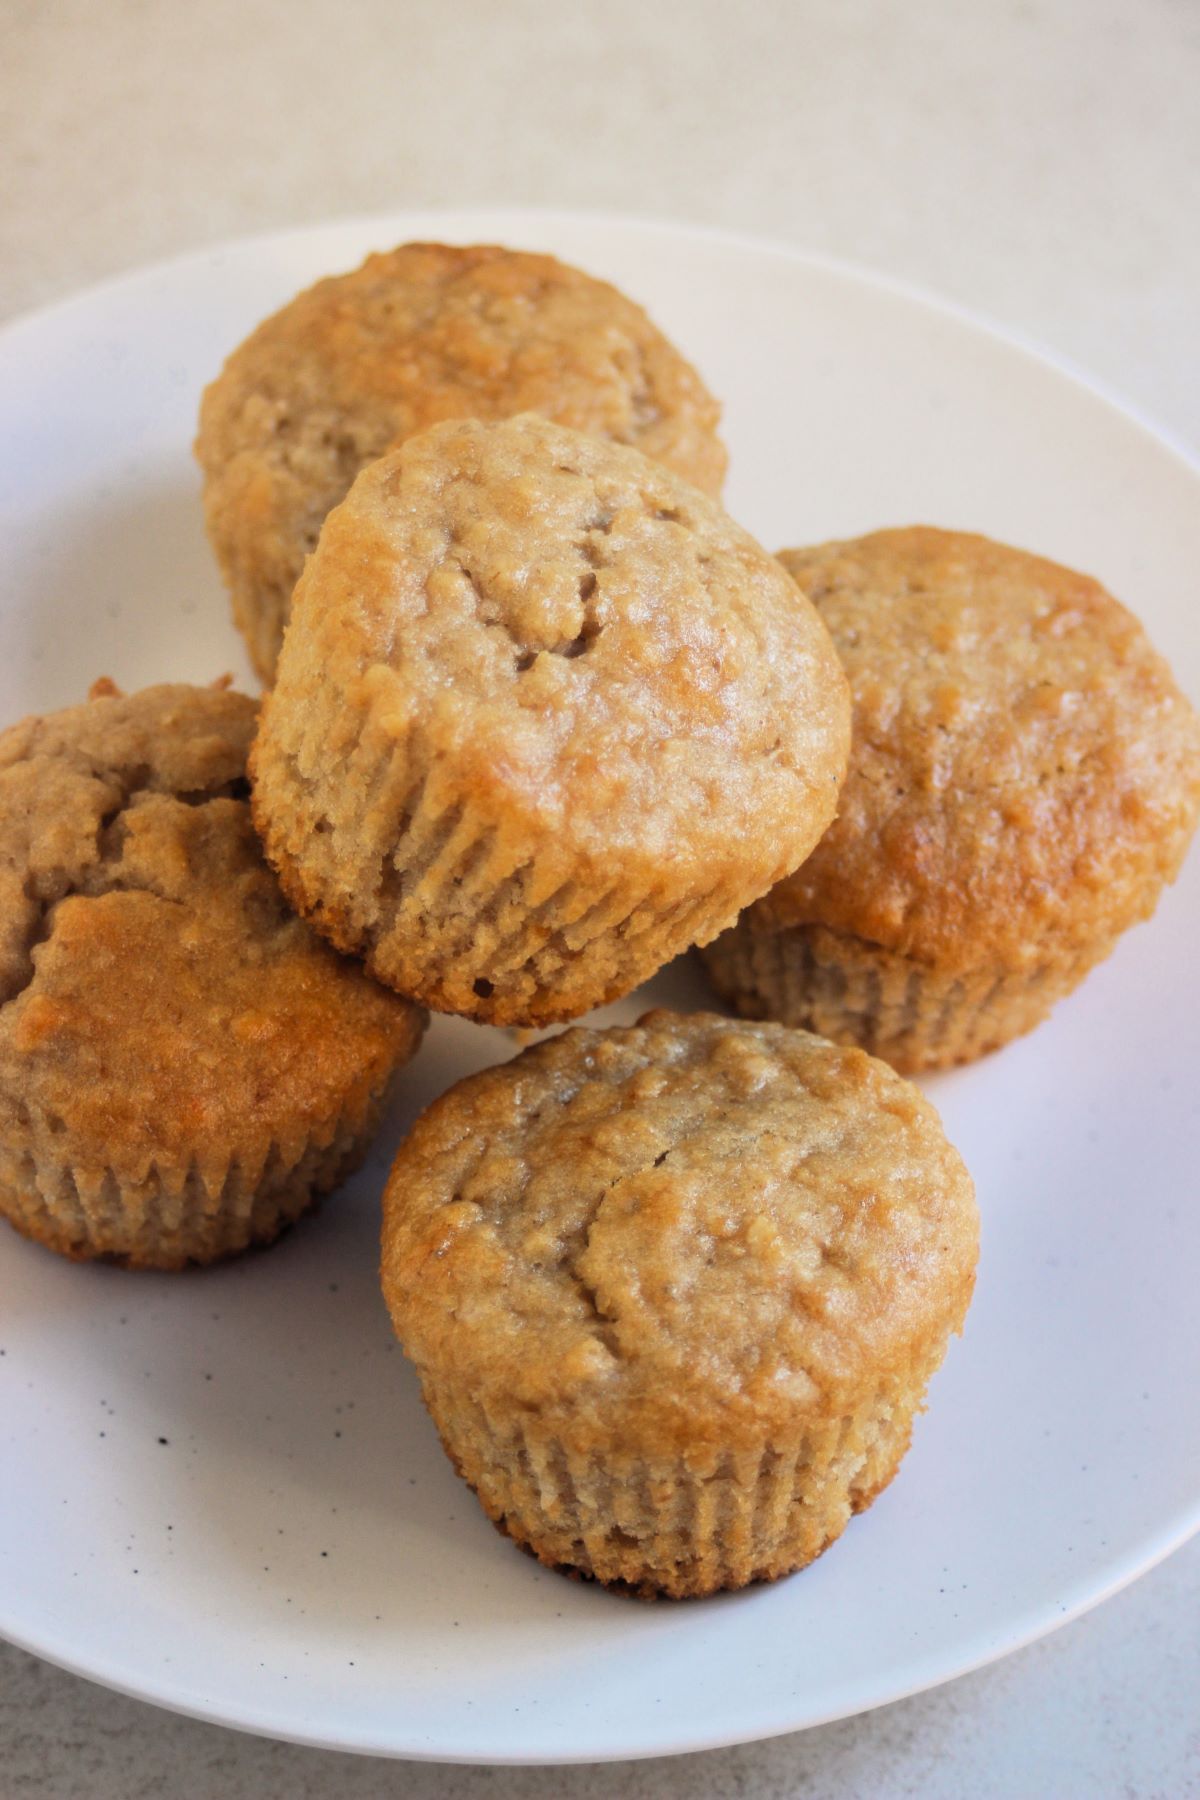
1034	159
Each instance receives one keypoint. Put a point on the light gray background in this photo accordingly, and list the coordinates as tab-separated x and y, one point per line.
1036	159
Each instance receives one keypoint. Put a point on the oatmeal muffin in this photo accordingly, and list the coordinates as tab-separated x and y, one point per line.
184	1065
1024	778
544	717
428	332
675	1292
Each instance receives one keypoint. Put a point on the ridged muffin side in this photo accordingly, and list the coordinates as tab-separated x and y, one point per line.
913	1015
168	1216
184	1065
682	1527
675	1292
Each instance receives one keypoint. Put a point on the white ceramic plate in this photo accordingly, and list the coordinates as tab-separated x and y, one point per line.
219	1490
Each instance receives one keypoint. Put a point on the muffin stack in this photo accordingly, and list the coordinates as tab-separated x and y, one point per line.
541	717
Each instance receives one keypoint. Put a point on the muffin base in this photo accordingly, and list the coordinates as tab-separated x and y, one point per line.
459	915
859	1502
165	1224
681	1527
856	992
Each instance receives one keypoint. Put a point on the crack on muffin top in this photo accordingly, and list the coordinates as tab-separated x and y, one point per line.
152	978
70	787
561	620
687	1213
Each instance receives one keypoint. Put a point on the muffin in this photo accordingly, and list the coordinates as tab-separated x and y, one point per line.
675	1292
1024	779
358	363
184	1065
544	717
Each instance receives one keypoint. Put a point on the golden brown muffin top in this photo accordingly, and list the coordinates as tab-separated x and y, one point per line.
1025	774
426	332
158	1002
438	331
677	1235
575	644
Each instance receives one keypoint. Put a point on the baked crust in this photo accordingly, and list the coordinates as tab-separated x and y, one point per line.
356	364
1025	774
183	1063
545	716
675	1292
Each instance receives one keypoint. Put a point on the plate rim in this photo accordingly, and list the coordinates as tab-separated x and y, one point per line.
1041	1623
901	287
1038	1621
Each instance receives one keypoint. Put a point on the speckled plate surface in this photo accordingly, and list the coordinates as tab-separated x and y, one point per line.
219	1491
